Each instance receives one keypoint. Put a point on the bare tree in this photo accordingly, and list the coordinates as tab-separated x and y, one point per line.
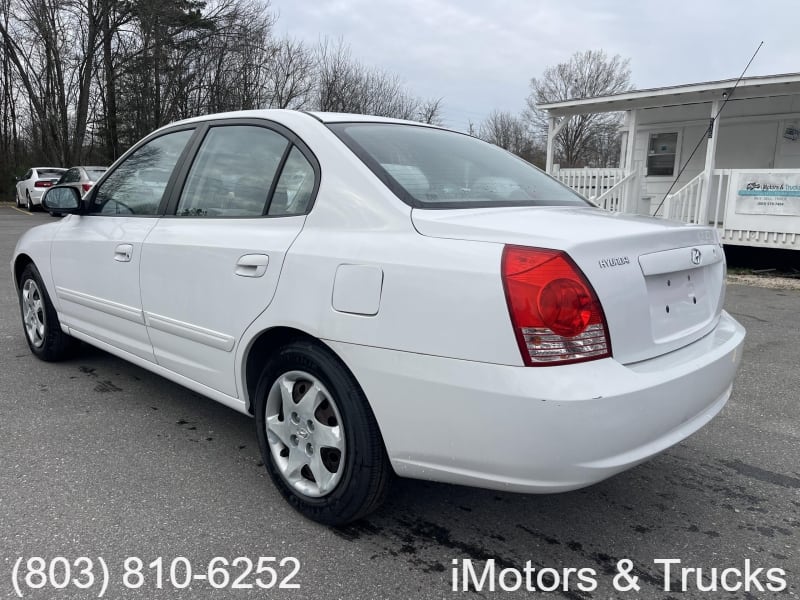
506	130
345	84
430	112
51	45
512	133
85	79
290	74
585	75
232	66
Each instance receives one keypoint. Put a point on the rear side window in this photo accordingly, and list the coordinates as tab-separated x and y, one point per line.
233	172
434	168
137	185
295	186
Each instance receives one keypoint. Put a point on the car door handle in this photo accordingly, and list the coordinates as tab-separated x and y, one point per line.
123	253
252	265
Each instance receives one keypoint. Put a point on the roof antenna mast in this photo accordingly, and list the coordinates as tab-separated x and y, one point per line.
707	133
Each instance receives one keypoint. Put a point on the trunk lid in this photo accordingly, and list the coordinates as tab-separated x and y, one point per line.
661	283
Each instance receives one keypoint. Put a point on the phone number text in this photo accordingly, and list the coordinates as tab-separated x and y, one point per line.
36	573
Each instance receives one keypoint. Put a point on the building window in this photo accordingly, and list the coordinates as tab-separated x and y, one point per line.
661	154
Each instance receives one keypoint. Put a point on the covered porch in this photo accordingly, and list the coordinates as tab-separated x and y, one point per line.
739	171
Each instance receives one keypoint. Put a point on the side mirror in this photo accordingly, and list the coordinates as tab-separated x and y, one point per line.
62	200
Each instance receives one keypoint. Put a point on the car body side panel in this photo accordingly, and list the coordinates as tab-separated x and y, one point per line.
195	303
452	305
97	288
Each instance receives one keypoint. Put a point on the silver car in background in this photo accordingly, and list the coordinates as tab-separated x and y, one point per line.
82	178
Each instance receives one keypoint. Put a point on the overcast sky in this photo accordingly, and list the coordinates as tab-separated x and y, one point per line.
480	55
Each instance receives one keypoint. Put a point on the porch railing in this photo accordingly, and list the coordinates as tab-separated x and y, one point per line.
687	203
692	203
622	196
589	182
720	183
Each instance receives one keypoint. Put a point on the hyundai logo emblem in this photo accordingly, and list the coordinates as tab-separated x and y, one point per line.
697	256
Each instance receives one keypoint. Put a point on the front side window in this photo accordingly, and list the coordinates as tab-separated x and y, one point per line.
233	172
661	154
434	168
137	185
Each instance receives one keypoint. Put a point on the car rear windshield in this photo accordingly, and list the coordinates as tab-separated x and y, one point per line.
49	174
95	174
435	168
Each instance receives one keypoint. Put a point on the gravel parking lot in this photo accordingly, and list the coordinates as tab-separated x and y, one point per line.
100	458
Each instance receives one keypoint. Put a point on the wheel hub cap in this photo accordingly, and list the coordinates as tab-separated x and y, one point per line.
33	312
304	433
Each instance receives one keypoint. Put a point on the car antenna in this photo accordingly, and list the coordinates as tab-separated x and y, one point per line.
708	132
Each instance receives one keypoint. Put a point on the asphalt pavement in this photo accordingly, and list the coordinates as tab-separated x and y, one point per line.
101	459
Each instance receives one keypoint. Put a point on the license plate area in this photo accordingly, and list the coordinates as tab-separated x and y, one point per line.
680	302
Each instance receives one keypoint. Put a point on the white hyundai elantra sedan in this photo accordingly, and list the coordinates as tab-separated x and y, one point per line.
387	298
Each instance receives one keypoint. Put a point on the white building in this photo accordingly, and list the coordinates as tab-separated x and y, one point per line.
745	178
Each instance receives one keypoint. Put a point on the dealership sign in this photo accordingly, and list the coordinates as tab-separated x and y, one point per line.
767	193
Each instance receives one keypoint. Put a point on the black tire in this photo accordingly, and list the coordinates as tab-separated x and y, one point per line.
53	344
366	471
28	203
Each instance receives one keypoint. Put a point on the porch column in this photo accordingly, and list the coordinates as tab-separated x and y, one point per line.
634	192
711	157
553	127
630	123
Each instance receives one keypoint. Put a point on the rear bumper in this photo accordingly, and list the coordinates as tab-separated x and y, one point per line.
541	429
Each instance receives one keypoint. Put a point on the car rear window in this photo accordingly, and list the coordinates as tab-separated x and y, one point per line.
95	174
49	173
435	168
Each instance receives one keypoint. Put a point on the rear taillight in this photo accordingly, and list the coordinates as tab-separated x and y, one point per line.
555	313
43	184
86	187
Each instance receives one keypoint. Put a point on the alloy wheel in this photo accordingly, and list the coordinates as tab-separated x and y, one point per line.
305	433
33	312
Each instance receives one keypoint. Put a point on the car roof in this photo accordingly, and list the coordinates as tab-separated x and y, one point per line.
49	168
276	114
332	117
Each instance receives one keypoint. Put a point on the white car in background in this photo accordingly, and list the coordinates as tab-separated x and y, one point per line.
385	298
33	184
